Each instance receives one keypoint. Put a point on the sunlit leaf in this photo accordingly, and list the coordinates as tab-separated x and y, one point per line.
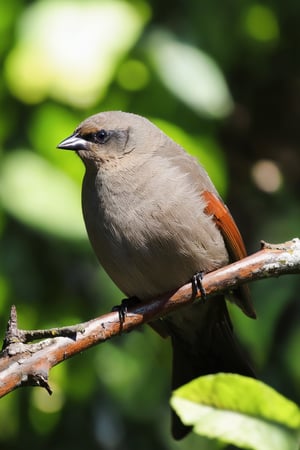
239	410
38	194
44	120
76	61
191	75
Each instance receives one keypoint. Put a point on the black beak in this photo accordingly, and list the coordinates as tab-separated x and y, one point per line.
73	142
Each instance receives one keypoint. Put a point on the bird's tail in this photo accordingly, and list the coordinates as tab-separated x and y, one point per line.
203	343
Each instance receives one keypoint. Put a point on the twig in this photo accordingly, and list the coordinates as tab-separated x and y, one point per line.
29	364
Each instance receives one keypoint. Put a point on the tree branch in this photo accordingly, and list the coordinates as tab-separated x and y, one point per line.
29	364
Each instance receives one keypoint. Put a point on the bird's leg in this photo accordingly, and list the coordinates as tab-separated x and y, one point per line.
122	309
197	285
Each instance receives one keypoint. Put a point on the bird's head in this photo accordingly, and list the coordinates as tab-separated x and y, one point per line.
111	135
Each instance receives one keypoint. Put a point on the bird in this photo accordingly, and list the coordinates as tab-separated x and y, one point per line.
156	221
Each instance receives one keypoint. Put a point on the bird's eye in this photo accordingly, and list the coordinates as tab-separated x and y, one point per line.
102	136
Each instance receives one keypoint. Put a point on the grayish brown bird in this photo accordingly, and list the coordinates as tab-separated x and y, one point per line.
155	219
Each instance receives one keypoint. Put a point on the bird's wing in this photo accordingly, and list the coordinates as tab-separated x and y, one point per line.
234	243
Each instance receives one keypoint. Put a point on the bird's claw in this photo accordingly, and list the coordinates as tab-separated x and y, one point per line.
122	309
197	285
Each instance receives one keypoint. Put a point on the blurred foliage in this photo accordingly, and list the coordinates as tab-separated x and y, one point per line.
223	80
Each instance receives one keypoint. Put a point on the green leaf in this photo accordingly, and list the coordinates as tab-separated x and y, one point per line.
191	75
73	67
41	196
239	410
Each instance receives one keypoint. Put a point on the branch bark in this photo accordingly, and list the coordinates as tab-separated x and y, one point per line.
23	364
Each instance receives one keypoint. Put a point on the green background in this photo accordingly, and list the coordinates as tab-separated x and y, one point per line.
222	78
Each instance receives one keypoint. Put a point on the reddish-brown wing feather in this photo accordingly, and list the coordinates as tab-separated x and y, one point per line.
224	220
233	241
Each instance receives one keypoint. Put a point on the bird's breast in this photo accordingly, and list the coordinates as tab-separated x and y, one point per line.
150	238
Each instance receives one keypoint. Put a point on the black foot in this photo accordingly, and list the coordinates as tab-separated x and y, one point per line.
198	286
123	308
